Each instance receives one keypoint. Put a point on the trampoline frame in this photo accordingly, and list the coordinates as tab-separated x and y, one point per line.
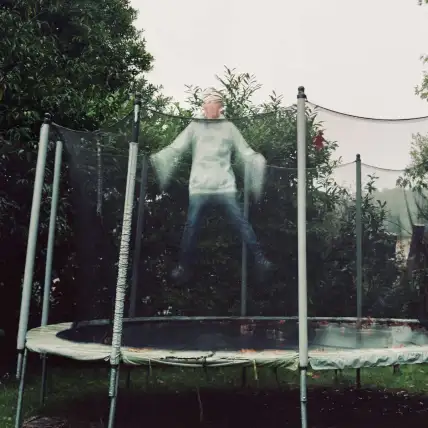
115	352
46	339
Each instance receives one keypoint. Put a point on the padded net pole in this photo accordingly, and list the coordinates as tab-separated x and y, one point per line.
123	263
138	238
49	256
32	240
244	269
301	234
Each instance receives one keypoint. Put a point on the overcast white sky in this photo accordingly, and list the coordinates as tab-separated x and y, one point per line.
359	57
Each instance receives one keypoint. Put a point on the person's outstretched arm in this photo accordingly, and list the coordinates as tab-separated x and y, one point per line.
252	160
166	160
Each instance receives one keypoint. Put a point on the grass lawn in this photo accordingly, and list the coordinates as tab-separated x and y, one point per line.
178	398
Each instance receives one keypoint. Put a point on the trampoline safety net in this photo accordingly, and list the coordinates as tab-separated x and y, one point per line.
97	166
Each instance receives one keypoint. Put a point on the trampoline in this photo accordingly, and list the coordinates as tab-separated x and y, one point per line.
109	260
202	341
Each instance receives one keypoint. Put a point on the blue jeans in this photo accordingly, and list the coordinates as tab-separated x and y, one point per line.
197	205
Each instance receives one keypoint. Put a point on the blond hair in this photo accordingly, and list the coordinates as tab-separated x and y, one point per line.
212	95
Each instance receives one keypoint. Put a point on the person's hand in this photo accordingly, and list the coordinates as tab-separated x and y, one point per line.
257	175
160	170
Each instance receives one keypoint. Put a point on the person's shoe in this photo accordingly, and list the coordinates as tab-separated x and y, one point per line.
180	275
264	269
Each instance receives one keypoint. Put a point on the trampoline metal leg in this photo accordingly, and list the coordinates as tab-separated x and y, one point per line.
44	378
19	365
358	378
114	383
18	416
303	399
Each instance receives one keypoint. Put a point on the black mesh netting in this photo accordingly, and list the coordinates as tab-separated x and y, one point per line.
97	170
97	165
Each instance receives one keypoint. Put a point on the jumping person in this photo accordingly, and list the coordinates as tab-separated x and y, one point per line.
212	180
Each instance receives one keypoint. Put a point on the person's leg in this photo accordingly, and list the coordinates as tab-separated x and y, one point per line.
243	226
188	240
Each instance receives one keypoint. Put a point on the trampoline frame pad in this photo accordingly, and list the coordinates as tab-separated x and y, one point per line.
44	340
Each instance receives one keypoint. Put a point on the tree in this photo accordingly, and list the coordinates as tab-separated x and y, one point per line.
414	182
415	175
75	59
422	89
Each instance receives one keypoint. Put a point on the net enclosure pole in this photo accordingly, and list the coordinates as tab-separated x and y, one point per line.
123	264
302	265
99	179
32	240
51	236
244	267
138	237
49	254
359	254
359	238
19	407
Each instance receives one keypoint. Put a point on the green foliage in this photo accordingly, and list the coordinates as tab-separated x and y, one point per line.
414	181
416	174
422	89
70	58
381	260
77	60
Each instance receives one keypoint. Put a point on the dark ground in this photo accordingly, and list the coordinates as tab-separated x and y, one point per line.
192	398
327	409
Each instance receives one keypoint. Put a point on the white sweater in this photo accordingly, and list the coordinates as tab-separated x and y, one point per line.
212	145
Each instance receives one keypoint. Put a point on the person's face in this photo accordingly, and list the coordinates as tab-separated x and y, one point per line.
212	110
